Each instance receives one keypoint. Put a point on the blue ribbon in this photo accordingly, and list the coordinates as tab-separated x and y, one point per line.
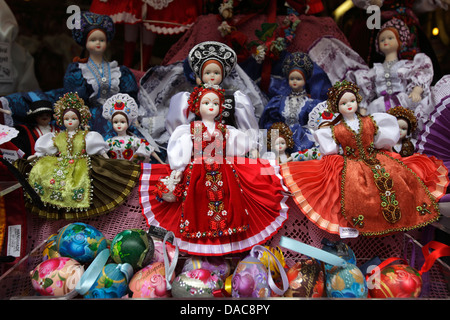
90	275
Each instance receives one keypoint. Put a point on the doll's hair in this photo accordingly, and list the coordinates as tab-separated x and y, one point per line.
283	132
71	102
198	93
408	115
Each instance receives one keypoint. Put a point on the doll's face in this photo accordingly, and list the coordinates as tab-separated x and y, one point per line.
388	42
296	80
96	42
43	119
120	123
212	73
209	106
280	145
403	125
71	121
348	104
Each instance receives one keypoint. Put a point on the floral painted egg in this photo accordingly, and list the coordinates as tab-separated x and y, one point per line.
306	279
397	281
217	265
250	279
112	282
56	276
197	283
133	246
50	250
158	255
80	241
340	249
150	282
267	259
345	282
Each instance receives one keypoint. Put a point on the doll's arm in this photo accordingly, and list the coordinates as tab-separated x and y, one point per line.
179	148
44	146
326	142
178	113
388	131
95	144
420	76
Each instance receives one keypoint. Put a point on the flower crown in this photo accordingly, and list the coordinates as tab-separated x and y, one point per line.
120	102
402	112
335	93
199	92
71	100
283	131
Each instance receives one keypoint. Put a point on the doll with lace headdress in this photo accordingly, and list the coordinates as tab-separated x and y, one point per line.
70	169
279	143
407	124
368	188
293	109
122	111
215	207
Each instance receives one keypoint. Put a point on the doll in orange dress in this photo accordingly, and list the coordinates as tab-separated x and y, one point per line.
369	188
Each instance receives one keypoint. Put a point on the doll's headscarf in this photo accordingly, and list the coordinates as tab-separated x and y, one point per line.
212	50
199	92
402	35
120	102
90	21
71	101
402	113
337	91
298	61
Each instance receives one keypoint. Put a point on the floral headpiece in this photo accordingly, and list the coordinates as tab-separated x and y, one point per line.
283	131
298	61
72	101
199	92
120	102
407	114
335	93
402	30
212	50
90	21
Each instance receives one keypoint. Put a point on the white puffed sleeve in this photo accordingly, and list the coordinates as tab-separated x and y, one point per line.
388	131
178	112
95	144
143	148
324	138
238	142
44	145
179	148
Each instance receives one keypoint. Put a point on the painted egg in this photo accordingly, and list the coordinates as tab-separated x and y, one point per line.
112	282
56	276
150	282
80	241
340	249
397	281
50	250
267	259
345	282
217	265
158	255
133	246
197	283
306	279
250	279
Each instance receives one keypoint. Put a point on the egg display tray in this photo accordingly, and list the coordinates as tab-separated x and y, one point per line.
15	280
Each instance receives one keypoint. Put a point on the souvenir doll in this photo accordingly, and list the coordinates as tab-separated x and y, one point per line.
279	142
122	111
375	191
293	109
388	84
407	124
224	203
70	169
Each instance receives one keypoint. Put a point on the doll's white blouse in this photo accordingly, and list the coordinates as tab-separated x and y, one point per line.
180	146
386	137
95	144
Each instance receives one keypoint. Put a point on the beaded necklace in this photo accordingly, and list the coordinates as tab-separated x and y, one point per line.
103	80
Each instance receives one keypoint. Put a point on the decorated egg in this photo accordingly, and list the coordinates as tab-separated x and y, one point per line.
56	276
250	279
80	241
396	281
150	282
133	246
217	265
306	279
50	250
158	255
267	259
112	282
197	283
339	249
345	282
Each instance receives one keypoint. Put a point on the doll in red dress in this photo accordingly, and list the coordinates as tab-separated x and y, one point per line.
220	201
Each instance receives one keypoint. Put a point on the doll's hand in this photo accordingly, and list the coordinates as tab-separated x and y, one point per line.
105	155
378	3
253	154
363	111
416	94
32	157
176	175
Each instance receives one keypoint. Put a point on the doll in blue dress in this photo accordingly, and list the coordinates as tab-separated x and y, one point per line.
293	109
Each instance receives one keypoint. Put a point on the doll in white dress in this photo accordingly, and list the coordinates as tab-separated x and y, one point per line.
122	111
